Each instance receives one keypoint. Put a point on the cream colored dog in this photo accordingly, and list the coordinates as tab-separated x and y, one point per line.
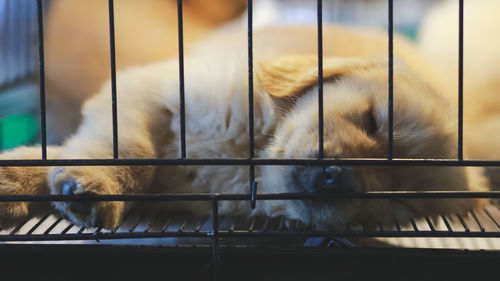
286	118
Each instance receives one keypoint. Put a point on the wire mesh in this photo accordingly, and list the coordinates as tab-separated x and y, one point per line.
163	227
217	230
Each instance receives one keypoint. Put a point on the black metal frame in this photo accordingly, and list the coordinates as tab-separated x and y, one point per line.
216	233
22	71
242	263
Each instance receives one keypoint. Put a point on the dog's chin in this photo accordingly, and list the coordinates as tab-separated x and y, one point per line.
328	213
324	212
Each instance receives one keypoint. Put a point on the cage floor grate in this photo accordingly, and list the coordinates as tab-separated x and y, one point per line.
476	230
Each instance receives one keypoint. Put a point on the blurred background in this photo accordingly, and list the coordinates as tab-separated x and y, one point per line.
77	46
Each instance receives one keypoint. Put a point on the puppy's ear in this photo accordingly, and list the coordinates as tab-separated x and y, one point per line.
292	76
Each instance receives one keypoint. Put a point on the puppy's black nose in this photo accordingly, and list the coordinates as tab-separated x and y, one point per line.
81	208
335	178
325	179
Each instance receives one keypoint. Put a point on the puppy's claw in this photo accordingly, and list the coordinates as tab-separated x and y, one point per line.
69	187
80	208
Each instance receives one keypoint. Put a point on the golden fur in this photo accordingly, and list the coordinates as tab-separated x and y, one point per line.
77	45
355	91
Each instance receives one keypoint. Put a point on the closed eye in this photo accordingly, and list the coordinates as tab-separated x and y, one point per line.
372	124
369	123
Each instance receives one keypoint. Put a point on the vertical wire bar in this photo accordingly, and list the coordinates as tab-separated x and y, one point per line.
29	40
33	41
25	38
41	64
251	138
390	103
4	37
215	236
113	76
320	78
460	77
8	40
181	78
250	81
18	44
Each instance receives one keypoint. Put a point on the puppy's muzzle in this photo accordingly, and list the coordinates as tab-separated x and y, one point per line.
325	179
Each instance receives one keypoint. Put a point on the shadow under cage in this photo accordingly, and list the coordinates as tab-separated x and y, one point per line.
222	246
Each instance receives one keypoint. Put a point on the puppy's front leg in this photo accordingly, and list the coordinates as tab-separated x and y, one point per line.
100	180
23	181
137	119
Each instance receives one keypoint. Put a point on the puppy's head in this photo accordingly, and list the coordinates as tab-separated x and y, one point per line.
356	126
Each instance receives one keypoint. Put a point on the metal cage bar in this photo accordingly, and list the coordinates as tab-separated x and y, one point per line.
113	76
251	137
215	236
320	80
41	64
8	53
260	196
390	99
460	78
16	55
182	100
255	161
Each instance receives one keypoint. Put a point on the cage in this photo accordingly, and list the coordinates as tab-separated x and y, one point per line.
150	242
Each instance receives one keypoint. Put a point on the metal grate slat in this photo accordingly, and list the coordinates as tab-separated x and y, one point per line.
462	221
477	220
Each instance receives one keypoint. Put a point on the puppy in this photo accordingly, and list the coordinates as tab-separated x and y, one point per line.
286	117
77	45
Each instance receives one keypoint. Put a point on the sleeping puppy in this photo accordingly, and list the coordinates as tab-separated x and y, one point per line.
286	118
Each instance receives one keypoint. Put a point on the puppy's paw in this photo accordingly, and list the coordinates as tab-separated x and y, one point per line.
86	182
12	183
12	213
